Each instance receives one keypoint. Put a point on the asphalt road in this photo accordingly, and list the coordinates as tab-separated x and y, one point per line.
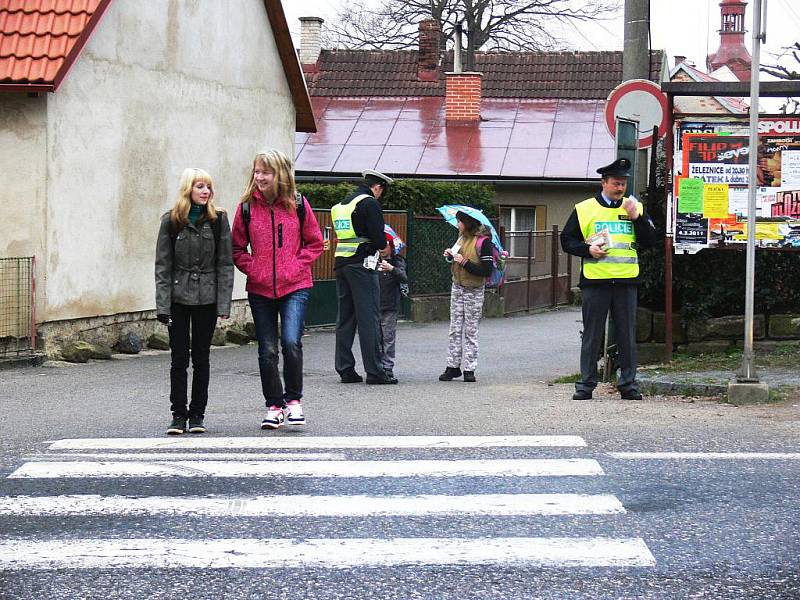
718	523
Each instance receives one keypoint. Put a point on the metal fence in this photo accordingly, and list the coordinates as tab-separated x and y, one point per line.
17	308
322	269
538	272
428	272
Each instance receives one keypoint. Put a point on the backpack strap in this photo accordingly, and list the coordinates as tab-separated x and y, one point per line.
246	220
300	206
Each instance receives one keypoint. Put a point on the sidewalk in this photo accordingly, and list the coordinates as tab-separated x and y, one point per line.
712	383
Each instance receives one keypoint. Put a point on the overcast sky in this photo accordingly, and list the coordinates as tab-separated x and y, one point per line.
681	27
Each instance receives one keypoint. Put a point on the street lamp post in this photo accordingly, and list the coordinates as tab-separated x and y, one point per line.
747	374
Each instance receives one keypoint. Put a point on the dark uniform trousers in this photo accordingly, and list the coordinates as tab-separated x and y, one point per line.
597	300
358	291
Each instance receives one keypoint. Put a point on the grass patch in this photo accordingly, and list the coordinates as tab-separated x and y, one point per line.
780	356
568	378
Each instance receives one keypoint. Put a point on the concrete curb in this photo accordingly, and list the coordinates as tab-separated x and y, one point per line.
32	360
711	383
662	387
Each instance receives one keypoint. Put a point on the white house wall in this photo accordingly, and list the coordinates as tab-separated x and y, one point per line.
176	84
23	139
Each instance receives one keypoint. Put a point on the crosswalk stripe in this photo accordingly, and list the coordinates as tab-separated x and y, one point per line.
706	455
158	456
314	506
357	468
18	554
284	442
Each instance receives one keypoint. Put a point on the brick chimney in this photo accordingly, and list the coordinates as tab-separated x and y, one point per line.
679	59
429	36
732	51
310	39
463	98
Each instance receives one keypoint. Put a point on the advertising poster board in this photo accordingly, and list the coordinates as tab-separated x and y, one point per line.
717	153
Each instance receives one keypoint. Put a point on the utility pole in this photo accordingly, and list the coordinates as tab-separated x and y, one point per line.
636	62
636	49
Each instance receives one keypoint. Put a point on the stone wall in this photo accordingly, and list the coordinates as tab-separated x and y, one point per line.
54	336
711	335
425	309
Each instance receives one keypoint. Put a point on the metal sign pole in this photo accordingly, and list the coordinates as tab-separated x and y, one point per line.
747	373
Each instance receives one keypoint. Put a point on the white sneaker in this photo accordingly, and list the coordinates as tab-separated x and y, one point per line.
274	418
294	413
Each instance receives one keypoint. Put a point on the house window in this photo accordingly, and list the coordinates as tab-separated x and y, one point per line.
518	221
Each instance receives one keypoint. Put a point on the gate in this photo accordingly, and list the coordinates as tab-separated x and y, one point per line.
538	272
17	308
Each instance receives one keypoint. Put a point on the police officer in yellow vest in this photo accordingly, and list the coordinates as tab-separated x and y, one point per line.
358	222
607	231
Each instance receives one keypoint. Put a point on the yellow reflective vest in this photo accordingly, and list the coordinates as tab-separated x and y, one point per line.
342	218
622	260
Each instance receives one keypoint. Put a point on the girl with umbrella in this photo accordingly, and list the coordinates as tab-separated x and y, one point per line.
472	262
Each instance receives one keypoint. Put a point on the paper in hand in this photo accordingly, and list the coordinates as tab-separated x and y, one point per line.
602	238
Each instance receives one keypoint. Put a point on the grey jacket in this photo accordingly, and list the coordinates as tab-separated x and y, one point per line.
196	272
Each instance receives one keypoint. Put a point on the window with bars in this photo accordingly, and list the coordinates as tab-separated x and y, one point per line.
517	221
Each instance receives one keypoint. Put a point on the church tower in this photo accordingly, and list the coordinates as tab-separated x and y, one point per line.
732	51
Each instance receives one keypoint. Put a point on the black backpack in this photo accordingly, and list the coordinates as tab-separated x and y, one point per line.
301	215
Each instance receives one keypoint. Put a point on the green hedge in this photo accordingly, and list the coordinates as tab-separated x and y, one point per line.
422	197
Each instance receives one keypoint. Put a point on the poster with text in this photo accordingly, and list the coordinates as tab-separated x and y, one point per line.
717	151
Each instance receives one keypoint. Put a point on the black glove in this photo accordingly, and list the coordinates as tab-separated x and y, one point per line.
165	319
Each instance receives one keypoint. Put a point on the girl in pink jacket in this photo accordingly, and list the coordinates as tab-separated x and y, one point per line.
284	240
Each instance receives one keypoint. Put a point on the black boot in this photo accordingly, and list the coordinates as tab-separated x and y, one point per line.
469	376
178	425
450	373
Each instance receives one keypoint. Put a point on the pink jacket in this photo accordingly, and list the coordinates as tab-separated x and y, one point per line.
277	264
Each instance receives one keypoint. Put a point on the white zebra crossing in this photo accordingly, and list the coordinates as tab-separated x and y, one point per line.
361	468
283	442
316	506
332	553
160	461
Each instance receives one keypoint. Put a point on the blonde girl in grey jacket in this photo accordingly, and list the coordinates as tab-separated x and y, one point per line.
194	283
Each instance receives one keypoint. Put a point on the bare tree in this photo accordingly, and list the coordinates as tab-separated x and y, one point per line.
490	24
781	71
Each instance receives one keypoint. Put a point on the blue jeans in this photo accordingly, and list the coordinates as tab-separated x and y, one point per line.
292	311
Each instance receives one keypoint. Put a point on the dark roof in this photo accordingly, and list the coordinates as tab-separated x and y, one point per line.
578	75
408	137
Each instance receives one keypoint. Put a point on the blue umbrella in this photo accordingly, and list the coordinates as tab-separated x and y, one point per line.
449	213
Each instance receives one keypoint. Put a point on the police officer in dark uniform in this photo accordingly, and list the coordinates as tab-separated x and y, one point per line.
607	231
358	222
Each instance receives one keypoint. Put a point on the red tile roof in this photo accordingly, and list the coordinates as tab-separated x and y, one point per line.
40	40
407	137
734	105
578	75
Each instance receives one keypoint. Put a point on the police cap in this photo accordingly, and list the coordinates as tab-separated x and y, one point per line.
618	168
373	177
